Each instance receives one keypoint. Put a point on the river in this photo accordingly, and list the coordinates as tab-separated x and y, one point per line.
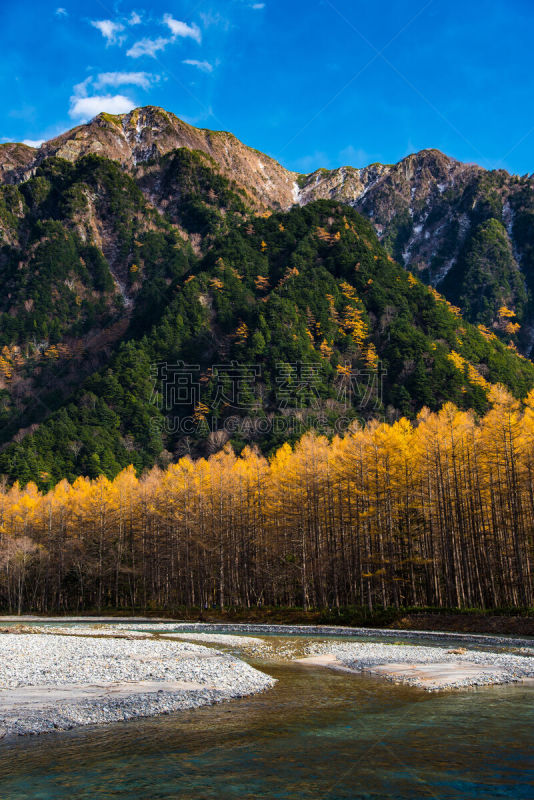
317	734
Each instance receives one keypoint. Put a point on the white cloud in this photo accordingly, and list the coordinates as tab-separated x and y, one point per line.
205	66
84	108
33	142
142	79
258	6
134	19
214	19
109	30
147	47
61	12
80	89
182	29
178	29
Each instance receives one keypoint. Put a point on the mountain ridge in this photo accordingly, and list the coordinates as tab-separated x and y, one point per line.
427	209
85	139
143	134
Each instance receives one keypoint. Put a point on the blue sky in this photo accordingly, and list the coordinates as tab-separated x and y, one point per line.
311	82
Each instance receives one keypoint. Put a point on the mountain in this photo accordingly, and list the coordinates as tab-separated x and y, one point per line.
137	250
290	321
84	257
465	230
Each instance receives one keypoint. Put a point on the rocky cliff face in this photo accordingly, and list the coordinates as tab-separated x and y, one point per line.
15	159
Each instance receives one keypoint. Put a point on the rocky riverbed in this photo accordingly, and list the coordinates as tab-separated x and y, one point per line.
430	668
55	678
50	682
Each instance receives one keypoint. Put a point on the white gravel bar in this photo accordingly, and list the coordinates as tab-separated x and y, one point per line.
56	682
127	632
429	668
245	629
218	638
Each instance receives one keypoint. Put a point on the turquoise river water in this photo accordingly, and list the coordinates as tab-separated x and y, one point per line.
317	734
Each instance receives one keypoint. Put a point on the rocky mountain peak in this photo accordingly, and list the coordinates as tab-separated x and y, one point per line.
135	138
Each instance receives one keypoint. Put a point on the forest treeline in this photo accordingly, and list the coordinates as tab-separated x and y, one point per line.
438	511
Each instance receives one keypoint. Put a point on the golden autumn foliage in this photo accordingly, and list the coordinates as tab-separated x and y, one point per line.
440	299
242	332
371	357
473	375
439	511
512	328
261	283
6	363
326	236
352	321
236	274
505	321
486	333
354	324
326	349
291	272
200	411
